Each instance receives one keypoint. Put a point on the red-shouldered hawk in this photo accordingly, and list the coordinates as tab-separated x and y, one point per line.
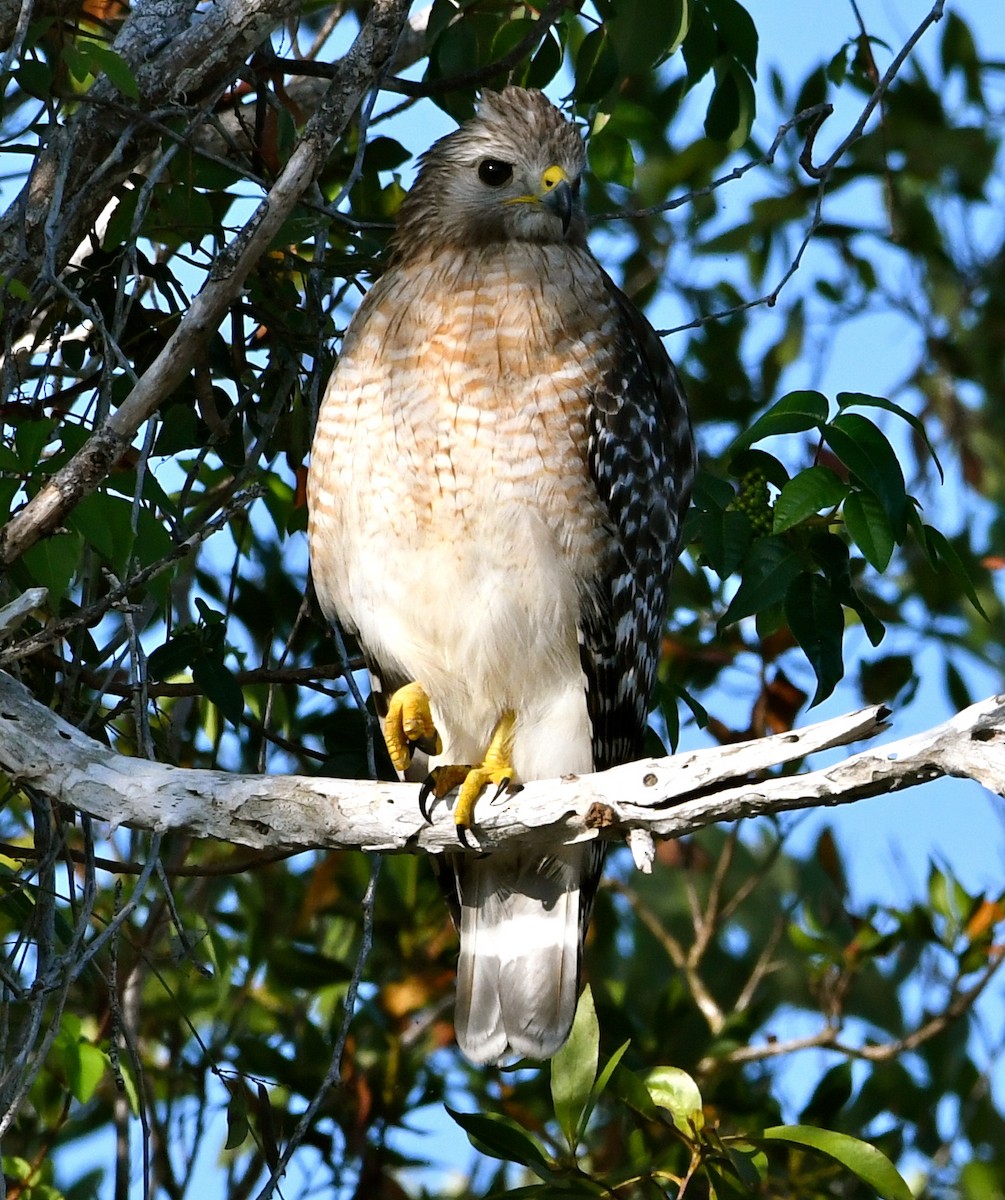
501	464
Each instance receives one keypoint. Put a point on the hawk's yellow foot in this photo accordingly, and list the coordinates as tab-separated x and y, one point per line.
409	724
496	767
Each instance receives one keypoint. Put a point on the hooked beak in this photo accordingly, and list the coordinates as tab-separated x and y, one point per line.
557	195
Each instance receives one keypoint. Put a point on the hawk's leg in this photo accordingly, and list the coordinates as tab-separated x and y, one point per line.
496	767
409	724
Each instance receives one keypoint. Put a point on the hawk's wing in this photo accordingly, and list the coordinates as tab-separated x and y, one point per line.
642	459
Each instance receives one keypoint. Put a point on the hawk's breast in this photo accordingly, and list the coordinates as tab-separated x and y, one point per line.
455	525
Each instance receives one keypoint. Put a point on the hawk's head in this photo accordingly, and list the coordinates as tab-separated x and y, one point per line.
510	173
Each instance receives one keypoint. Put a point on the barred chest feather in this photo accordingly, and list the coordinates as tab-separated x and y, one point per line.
454	523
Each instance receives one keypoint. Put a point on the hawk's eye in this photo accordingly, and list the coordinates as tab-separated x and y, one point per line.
495	172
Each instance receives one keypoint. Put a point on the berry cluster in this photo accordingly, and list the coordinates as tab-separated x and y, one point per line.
754	500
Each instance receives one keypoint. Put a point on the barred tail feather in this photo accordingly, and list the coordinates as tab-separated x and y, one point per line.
522	917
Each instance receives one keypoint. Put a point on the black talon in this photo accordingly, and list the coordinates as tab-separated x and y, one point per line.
503	786
462	837
428	789
428	745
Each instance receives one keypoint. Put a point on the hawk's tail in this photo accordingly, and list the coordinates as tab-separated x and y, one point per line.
523	916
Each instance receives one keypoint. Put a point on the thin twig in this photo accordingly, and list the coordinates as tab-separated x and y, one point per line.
334	1071
241	866
92	614
462	81
824	170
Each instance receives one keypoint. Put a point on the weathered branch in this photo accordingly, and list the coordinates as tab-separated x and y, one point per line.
664	797
177	57
360	69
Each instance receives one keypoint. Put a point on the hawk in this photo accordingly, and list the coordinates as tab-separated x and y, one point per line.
502	460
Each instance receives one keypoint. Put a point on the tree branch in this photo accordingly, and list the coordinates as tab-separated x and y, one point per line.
360	69
668	797
174	54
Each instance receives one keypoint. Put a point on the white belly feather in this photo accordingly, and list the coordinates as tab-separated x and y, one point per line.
454	524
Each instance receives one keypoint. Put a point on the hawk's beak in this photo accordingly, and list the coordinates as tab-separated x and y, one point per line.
557	194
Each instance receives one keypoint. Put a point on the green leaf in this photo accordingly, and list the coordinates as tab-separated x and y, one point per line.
832	553
940	546
837	68
868	527
455	50
82	1064
105	522
863	400
630	1089
125	1074
863	1160
759	460
723	114
574	1070
35	78
611	158
768	570
831	1094
731	109
796	412
53	562
220	685
92	1064
18	1169
737	31
30	439
238	1127
545	64
750	1165
384	154
959	51
956	687
699	46
979	1180
725	539
500	1137
939	893
78	64
14	287
712	491
175	655
867	453
596	66
266	1126
508	36
817	623
301	966
809	492
675	1090
604	1077
113	65
642	33
568	1189
883	678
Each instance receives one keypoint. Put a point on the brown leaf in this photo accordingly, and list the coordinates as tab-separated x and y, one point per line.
984	919
103	10
300	498
777	706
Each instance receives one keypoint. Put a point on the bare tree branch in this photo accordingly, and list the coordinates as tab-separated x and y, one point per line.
177	57
361	67
669	797
828	1036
